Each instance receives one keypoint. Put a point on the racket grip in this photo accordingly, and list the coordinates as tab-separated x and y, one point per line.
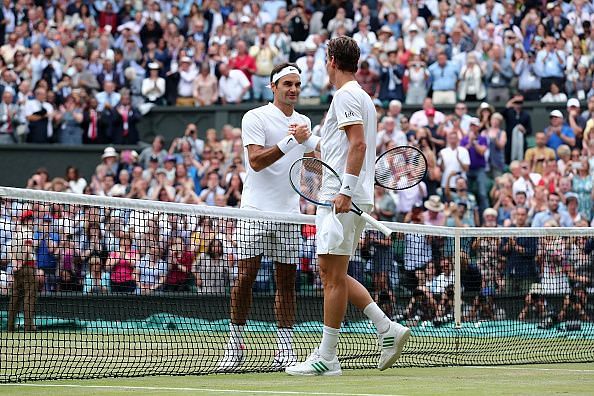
376	223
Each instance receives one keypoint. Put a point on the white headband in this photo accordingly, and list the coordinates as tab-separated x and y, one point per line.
284	72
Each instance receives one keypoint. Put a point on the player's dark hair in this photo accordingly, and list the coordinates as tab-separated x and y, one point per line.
280	67
345	52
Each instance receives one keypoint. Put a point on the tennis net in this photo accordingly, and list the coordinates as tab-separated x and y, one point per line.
112	287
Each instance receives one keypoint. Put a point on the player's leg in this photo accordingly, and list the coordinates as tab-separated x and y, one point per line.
333	264
284	309
241	292
323	360
241	303
392	335
284	250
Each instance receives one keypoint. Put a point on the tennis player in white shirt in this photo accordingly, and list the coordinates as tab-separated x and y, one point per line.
347	145
271	145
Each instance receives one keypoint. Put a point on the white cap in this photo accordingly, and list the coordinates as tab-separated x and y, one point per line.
573	102
556	113
117	191
109	152
490	211
245	19
185	59
475	121
311	46
413	27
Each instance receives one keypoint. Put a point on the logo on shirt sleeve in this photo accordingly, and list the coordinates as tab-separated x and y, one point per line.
349	114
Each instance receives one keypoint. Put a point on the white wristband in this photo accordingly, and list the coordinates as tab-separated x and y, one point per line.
349	183
312	142
287	144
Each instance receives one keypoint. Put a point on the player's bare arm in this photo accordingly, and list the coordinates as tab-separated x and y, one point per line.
262	157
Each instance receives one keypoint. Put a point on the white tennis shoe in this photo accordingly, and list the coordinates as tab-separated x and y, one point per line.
233	358
283	359
391	344
316	365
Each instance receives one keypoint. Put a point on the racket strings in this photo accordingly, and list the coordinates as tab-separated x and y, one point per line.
314	181
400	169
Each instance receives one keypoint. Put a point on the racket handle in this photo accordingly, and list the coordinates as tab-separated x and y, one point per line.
385	230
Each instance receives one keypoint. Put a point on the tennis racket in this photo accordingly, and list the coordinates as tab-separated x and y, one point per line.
318	183
400	168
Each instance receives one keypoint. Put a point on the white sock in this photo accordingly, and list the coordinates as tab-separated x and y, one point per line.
329	341
236	332
378	317
284	339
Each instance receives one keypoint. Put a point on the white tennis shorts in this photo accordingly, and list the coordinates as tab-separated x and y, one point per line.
279	241
352	225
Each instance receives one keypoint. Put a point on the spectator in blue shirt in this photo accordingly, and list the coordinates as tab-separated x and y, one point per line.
553	212
47	251
559	133
498	75
550	63
444	78
477	146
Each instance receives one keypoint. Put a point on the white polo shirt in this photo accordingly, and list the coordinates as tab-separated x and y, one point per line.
270	189
351	105
449	157
230	87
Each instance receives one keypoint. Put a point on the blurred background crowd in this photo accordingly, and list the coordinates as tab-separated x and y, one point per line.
85	72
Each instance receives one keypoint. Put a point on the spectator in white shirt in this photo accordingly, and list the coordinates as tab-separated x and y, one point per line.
233	85
312	79
389	136
419	118
153	87
364	38
185	87
453	159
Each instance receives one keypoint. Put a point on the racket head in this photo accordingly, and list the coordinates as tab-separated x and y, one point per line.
400	168
315	181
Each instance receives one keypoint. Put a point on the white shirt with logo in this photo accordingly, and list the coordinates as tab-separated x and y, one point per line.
270	189
351	105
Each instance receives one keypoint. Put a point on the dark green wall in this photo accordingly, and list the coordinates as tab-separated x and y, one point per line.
18	162
171	121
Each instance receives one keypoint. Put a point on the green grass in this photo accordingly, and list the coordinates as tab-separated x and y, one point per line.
574	379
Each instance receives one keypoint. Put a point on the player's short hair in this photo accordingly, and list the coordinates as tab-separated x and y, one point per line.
280	67
345	52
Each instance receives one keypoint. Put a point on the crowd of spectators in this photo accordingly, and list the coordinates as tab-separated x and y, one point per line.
482	169
83	71
193	253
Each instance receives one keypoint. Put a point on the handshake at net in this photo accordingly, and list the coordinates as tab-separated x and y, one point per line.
301	132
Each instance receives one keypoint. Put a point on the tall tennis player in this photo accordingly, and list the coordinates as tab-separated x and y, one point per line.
271	145
347	144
